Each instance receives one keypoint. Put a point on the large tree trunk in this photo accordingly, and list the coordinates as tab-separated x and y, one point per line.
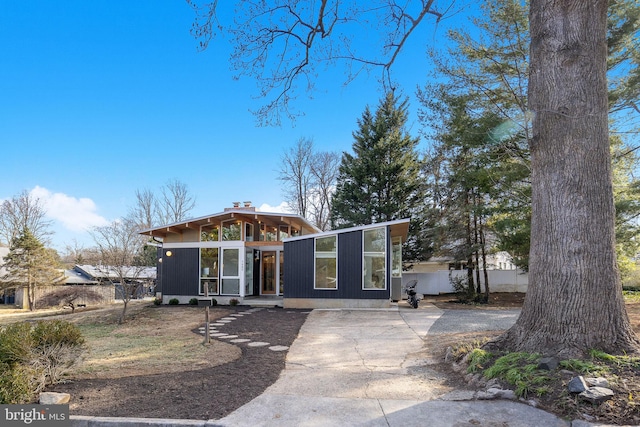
574	301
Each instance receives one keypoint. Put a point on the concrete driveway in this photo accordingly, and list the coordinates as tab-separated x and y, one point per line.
364	367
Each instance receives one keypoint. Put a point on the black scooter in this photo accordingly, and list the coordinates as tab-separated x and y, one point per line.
412	297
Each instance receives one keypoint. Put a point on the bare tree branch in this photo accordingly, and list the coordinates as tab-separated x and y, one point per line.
23	212
284	43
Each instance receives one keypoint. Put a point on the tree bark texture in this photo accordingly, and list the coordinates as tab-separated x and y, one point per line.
574	301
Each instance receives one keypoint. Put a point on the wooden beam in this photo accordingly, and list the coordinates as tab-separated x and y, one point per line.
172	230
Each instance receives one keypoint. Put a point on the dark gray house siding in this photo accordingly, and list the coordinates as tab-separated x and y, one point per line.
299	269
180	272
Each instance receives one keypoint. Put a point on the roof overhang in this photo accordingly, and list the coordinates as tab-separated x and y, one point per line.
271	219
397	228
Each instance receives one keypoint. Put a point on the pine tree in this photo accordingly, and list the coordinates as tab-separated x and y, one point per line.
29	264
380	180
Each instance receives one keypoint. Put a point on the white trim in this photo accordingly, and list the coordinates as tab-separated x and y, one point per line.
315	258
386	259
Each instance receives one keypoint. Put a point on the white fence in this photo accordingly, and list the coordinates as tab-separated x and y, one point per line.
439	283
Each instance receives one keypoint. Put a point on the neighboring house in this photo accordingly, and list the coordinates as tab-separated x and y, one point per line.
83	275
242	253
106	275
78	277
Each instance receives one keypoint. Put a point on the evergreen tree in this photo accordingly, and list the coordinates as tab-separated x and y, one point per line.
381	181
465	187
493	66
29	264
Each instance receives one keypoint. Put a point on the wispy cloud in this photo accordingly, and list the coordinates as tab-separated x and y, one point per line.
74	214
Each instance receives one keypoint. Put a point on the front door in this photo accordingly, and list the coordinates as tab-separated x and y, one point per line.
268	273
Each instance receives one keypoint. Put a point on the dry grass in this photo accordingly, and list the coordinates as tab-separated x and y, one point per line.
154	340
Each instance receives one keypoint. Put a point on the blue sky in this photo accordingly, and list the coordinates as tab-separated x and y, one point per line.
100	98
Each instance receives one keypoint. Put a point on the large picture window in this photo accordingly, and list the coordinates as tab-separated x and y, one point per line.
209	233
231	230
326	263
375	259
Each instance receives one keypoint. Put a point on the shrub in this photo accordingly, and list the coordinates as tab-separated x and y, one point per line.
57	347
193	301
33	356
54	332
17	384
174	301
233	302
157	301
16	343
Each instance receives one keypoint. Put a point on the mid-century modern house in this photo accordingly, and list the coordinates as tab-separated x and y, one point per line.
246	254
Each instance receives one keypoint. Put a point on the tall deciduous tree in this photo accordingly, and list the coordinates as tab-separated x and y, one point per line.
119	246
23	211
30	265
574	282
295	174
173	203
309	179
324	170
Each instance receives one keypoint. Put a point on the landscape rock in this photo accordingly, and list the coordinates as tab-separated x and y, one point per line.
596	395
493	382
597	382
548	363
52	398
496	393
499	393
448	356
577	385
529	402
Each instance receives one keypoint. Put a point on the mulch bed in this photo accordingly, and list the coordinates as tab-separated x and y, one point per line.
204	394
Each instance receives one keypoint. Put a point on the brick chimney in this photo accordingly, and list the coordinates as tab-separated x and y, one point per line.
236	206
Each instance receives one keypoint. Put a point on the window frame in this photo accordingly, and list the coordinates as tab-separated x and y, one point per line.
373	255
325	253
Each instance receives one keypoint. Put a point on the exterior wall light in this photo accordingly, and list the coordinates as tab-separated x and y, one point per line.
169	253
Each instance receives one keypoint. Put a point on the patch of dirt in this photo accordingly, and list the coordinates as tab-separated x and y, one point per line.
235	374
623	409
498	300
224	377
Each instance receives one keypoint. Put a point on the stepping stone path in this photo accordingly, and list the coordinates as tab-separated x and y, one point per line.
213	332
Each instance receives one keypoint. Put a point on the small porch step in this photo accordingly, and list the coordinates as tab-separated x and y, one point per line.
263	301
